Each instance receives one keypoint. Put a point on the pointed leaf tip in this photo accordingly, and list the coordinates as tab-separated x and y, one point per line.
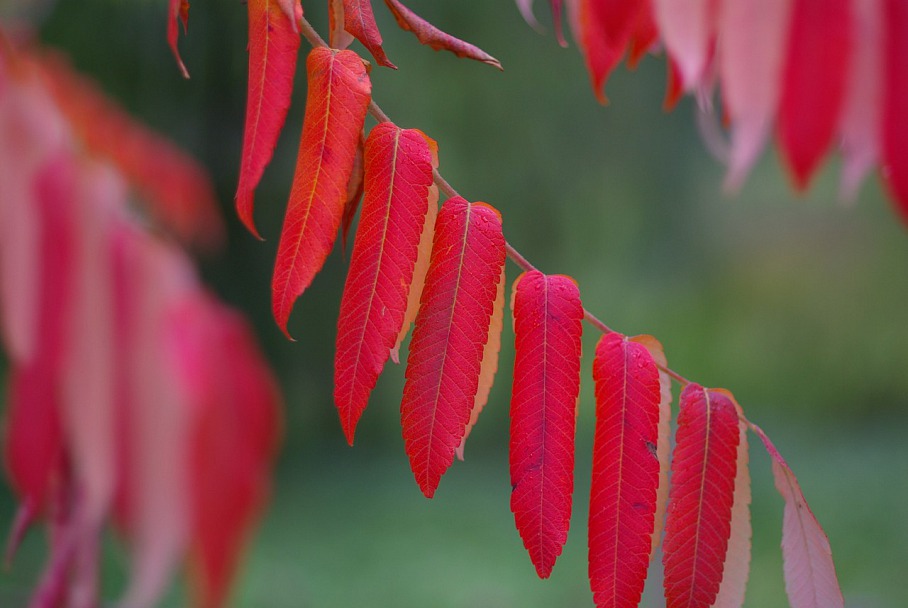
444	362
398	180
548	326
433	37
273	48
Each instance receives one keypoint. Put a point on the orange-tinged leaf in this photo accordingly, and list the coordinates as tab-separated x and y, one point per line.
452	325
273	46
737	559
336	104
701	497
430	35
359	21
663	446
398	176
178	10
548	318
810	578
489	364
626	469
338	37
422	260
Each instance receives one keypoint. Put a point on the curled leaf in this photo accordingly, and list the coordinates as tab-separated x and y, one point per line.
430	35
359	21
177	11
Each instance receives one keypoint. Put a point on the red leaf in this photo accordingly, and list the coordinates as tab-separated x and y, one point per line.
626	470
701	497
273	46
398	165
810	578
233	442
178	10
430	35
489	366
604	29
338	37
443	367
34	438
548	319
895	103
359	21
813	82
736	569
175	187
336	104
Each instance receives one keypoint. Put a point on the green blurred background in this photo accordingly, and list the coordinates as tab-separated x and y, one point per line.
796	303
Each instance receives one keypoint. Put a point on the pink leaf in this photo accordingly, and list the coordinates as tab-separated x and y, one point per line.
810	578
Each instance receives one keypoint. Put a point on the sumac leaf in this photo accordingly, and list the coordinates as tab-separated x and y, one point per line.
548	319
813	82
273	46
398	176
359	21
355	188
452	325
431	36
810	578
336	103
626	470
701	496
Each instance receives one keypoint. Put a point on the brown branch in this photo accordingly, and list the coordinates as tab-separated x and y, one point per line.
315	40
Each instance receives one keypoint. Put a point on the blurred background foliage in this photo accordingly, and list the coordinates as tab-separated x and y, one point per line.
795	303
